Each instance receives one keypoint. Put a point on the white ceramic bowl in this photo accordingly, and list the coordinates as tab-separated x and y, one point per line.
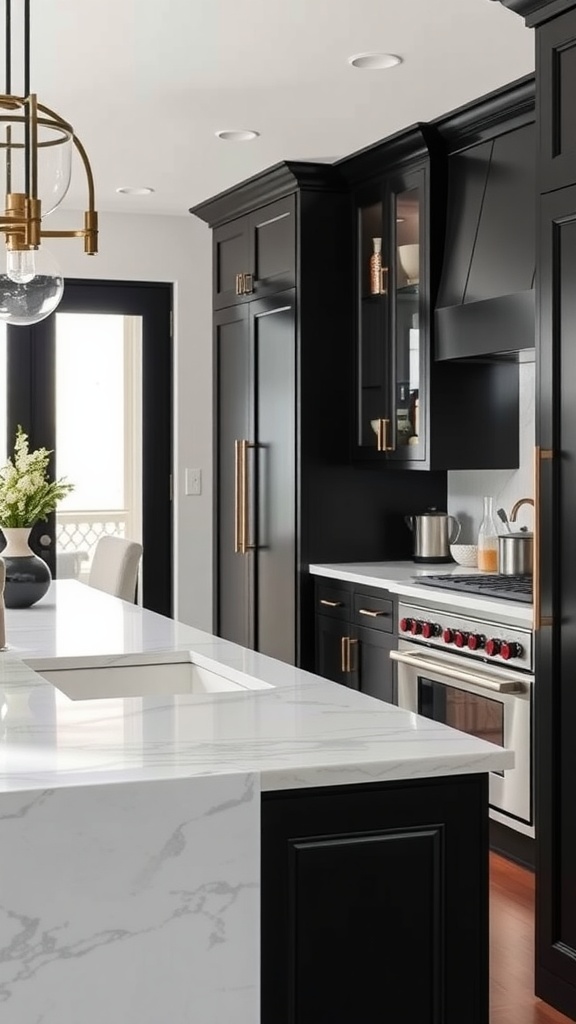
409	256
465	554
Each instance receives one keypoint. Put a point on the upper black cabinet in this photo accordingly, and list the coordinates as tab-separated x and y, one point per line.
392	322
397	228
556	76
255	255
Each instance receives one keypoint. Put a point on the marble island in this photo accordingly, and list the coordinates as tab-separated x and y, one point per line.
146	839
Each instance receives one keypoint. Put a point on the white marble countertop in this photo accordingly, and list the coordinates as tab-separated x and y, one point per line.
299	730
399	578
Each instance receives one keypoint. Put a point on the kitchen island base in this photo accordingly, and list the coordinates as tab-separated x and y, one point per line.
375	903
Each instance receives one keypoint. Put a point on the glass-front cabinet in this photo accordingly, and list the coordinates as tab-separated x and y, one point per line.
392	317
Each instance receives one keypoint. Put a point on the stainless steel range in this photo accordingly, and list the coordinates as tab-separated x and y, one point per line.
475	674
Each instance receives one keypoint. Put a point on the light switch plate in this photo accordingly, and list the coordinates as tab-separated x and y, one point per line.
193	481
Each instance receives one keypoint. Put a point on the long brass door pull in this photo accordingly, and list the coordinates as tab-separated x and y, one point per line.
540	455
241	513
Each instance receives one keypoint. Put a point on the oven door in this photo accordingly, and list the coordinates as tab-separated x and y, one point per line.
485	701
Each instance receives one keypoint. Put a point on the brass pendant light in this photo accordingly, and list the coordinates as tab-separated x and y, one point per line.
36	147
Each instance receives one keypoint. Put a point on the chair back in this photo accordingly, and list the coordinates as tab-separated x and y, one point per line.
115	567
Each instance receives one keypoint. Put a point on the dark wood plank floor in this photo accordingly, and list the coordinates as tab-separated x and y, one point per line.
512	948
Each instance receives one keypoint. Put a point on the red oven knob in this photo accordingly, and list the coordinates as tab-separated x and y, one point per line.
448	636
430	629
510	650
460	638
476	641
416	627
492	648
405	625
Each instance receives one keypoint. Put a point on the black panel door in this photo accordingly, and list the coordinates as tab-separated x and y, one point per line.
274	344
375	667
374	904
336	659
556	63
231	257
556	640
234	593
273	247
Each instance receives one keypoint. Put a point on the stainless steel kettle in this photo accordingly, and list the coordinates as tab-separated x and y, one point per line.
433	532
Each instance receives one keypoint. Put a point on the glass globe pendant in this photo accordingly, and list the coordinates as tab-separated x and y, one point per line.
36	146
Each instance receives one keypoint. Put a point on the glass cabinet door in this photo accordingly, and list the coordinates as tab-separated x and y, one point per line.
390	358
373	398
406	345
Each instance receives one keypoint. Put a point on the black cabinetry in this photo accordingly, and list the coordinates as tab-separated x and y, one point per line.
285	491
355	632
411	410
255	350
255	255
554	579
374	903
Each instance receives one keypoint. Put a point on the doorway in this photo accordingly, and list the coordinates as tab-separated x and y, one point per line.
93	383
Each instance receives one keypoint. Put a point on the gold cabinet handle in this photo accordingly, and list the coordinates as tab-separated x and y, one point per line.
540	455
382	437
372	614
239	284
247	284
330	604
346	644
344	653
241	518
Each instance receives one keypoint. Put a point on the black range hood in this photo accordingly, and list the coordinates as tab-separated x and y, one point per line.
485	306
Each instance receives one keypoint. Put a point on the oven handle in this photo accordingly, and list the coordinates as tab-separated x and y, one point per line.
429	665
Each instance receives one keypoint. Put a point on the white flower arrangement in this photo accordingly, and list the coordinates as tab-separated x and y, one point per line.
26	493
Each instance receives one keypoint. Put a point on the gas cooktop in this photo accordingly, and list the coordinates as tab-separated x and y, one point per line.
511	588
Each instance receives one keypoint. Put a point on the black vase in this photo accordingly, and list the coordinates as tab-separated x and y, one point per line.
27	575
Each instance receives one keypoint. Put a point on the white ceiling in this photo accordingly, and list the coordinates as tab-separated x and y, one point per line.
146	83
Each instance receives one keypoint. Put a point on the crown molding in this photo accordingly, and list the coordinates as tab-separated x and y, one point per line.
278	181
500	111
535	12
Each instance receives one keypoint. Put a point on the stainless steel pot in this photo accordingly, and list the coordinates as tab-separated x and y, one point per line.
434	532
515	553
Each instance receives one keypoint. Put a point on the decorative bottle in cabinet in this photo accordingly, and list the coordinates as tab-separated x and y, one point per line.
488	539
376	275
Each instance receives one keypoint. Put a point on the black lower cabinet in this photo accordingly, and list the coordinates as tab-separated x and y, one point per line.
375	903
355	632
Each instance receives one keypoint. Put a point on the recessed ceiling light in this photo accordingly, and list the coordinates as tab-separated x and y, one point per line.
237	135
135	190
374	61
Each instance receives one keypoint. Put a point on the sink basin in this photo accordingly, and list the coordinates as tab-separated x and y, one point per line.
151	679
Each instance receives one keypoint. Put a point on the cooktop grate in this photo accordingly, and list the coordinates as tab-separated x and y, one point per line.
511	588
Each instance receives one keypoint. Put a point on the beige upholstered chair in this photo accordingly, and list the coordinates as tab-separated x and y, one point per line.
115	567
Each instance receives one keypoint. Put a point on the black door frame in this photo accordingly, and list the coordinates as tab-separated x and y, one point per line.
31	375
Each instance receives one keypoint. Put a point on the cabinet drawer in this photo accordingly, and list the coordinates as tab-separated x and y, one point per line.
375	612
333	601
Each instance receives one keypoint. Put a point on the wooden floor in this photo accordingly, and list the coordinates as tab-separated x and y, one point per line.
512	948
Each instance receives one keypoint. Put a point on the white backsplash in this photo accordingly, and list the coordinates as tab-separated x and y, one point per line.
466	488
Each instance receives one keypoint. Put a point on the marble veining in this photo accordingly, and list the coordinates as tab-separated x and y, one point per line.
302	731
140	904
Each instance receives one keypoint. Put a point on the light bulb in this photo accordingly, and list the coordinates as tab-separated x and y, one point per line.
20	265
30	299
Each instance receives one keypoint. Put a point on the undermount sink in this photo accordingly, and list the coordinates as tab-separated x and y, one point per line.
150	679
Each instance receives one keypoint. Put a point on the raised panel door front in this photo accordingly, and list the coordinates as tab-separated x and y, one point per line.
556	84
234	423
231	259
274	332
273	242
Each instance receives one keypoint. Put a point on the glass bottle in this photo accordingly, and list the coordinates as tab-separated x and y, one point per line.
376	267
488	539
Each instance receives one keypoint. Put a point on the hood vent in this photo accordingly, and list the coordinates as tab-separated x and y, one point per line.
485	306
